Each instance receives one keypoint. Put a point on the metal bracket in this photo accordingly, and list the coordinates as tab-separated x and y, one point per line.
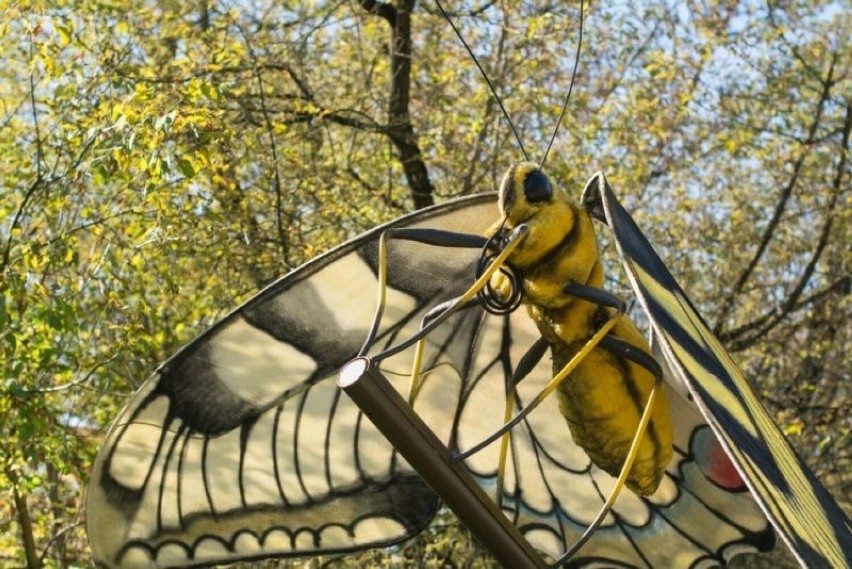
418	444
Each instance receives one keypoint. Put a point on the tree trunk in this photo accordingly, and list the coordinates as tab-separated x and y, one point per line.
400	130
25	522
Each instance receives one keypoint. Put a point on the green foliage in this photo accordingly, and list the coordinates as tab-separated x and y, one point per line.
163	160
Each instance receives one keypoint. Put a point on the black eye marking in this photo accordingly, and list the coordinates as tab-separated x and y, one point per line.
537	187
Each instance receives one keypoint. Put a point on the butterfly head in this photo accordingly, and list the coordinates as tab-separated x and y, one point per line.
524	191
527	197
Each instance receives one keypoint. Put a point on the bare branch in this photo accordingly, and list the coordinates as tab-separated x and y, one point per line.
745	335
780	207
276	178
381	9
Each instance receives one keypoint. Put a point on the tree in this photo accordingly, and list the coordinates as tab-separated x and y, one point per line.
163	160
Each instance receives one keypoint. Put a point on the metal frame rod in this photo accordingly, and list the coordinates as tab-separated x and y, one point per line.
418	444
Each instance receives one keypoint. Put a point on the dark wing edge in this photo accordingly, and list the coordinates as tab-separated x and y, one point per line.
806	516
237	447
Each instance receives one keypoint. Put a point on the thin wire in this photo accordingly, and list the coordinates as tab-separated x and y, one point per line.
487	80
570	89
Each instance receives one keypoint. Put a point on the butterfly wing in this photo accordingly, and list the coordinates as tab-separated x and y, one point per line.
799	506
241	445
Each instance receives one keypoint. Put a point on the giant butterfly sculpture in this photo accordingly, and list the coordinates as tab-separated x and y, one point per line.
242	446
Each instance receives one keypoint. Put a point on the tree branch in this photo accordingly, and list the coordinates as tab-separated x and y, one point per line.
786	193
400	130
24	520
276	178
745	335
381	9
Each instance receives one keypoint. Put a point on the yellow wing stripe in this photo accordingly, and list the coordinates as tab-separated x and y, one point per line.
673	306
799	508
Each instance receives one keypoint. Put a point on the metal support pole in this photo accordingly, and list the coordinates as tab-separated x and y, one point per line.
372	392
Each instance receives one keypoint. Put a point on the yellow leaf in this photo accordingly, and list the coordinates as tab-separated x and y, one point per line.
794	429
65	34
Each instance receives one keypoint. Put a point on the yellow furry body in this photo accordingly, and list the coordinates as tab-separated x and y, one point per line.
603	399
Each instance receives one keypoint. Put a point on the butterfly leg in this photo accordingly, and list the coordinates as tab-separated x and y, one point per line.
421	235
436	312
441	312
603	337
529	361
539	348
441	239
623	350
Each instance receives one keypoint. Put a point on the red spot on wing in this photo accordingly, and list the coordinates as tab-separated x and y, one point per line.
714	462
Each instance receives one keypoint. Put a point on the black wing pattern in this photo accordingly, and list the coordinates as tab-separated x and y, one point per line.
241	446
801	509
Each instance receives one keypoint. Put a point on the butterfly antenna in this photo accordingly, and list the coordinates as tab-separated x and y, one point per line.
570	88
487	80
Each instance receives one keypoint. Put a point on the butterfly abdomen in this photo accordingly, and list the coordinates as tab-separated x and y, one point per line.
603	399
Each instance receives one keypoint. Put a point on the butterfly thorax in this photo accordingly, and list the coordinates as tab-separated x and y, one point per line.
604	397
